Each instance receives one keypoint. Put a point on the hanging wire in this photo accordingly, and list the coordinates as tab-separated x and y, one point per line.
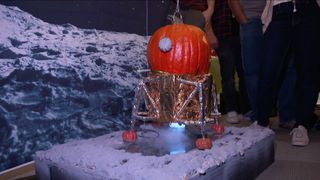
147	18
142	71
176	17
178	6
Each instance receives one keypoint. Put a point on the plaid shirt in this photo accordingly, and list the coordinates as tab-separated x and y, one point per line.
223	23
200	5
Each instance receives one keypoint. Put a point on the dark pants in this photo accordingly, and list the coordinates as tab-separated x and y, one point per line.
300	30
287	93
229	53
308	64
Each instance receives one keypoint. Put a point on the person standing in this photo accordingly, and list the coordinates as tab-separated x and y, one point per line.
248	14
293	23
226	29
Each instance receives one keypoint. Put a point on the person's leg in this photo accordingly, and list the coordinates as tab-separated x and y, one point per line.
308	61
287	95
244	104
277	39
251	50
227	69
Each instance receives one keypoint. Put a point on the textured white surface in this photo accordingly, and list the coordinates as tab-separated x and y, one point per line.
61	82
68	46
100	156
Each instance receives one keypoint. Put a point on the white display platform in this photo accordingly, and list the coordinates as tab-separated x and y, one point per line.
241	153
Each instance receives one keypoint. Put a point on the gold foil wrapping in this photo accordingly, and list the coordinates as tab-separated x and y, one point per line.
175	98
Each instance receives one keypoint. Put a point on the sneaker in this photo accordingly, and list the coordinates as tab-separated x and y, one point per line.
232	117
299	136
249	116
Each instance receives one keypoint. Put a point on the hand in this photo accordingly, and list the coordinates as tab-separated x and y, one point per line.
207	14
243	21
212	38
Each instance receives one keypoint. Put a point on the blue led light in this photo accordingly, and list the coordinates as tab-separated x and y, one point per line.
177	152
177	125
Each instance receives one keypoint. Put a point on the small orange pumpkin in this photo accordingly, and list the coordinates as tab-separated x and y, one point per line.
179	49
129	136
204	143
218	128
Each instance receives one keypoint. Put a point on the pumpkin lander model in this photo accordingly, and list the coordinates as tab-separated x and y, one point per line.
179	88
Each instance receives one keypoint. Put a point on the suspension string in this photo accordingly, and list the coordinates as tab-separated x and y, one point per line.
178	6
147	18
146	35
176	18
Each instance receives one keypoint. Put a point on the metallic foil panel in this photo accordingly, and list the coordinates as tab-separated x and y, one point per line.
169	98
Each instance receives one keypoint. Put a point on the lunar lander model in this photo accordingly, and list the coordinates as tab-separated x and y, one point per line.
178	89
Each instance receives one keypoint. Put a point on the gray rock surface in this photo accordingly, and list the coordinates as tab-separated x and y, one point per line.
59	82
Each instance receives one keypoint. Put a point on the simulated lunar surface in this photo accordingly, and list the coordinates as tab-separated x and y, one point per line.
60	82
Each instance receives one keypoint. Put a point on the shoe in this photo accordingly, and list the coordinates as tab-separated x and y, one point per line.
299	136
232	117
249	116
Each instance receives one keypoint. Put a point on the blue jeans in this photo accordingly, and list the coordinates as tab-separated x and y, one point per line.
252	48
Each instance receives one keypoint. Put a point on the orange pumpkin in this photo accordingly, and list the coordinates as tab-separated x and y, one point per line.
129	136
179	49
218	128
204	143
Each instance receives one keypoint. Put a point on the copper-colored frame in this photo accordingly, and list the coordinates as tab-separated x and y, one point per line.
176	98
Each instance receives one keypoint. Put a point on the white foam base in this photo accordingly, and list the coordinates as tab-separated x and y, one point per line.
99	158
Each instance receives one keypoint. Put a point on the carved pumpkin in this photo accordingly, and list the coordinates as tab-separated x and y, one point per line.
129	136
218	128
179	49
204	143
